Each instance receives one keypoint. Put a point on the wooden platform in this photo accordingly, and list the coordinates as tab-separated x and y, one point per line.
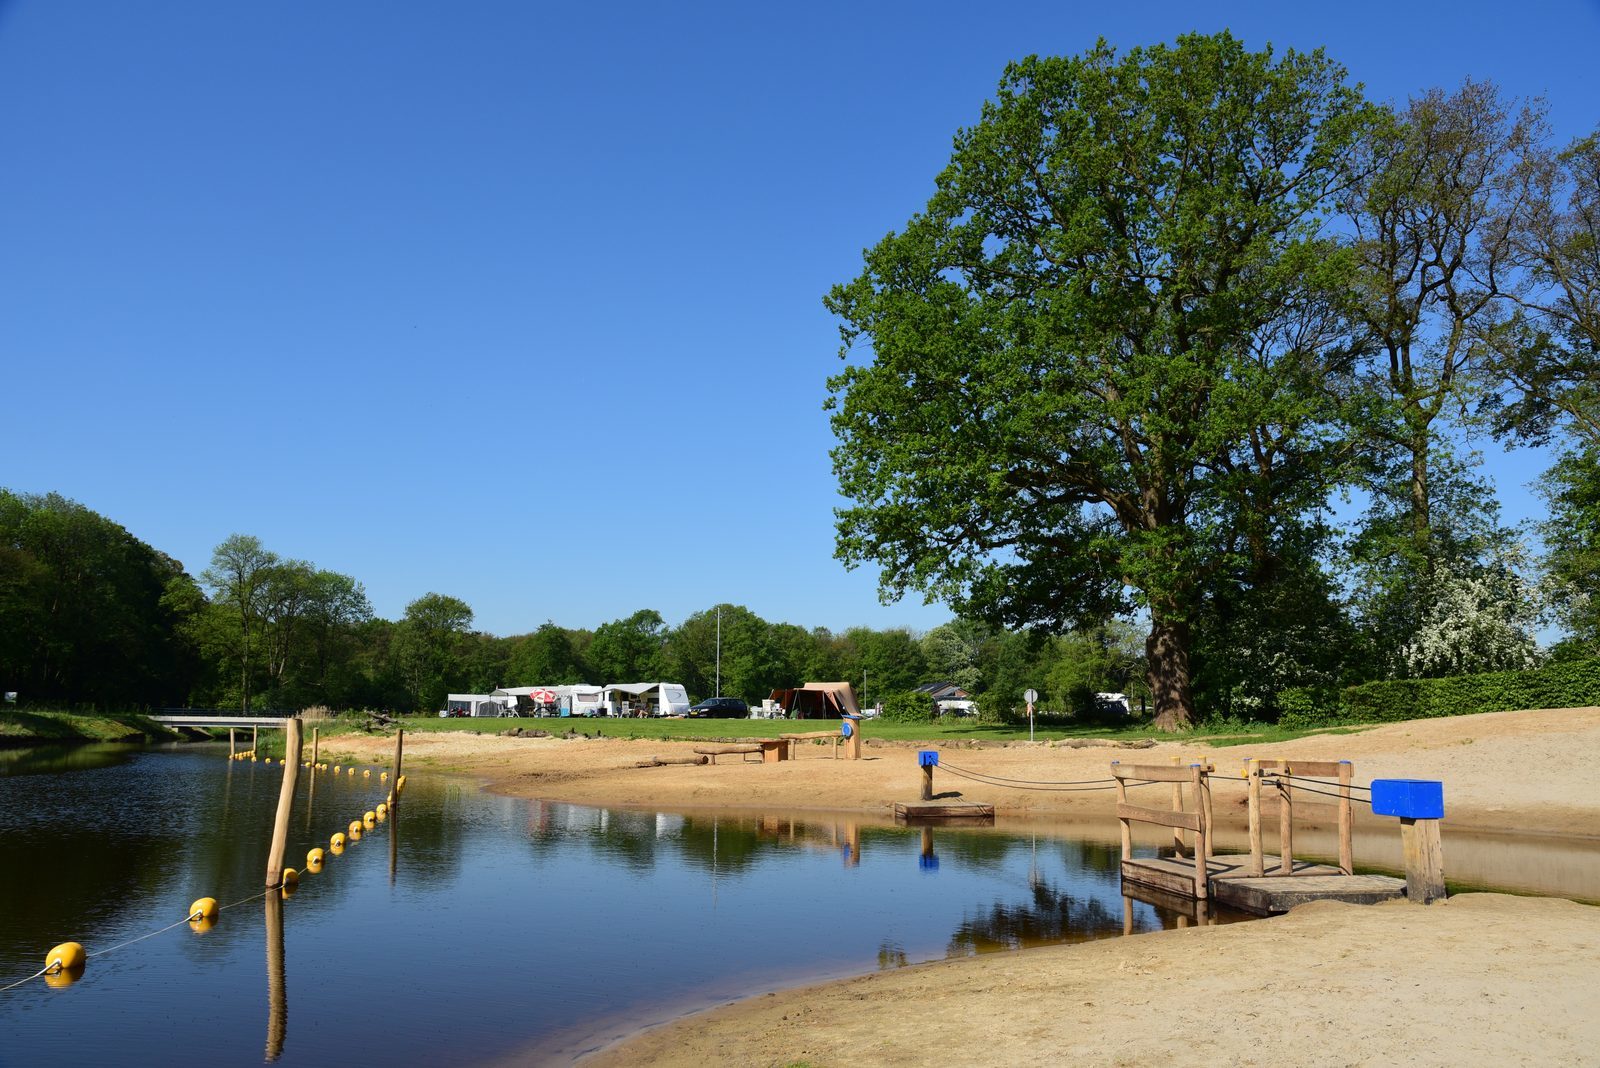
929	813
1229	883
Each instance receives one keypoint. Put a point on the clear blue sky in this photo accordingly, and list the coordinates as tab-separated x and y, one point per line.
520	302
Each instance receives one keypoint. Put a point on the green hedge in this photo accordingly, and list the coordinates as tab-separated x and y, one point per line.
908	708
1563	685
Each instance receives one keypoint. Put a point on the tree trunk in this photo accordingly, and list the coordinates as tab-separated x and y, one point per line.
1167	653
1421	513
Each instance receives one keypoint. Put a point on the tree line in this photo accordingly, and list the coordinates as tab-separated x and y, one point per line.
92	617
1169	311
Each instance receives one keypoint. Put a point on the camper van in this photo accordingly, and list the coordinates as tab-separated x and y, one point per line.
653	698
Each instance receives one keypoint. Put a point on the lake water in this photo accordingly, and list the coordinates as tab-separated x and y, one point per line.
471	927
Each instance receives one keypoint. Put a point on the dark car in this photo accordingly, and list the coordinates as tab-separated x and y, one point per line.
721	708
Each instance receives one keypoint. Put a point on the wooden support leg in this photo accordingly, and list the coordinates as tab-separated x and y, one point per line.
1346	847
280	825
1424	856
1285	827
927	782
1257	863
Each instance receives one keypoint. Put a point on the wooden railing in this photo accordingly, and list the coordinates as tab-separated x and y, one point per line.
1342	770
1198	821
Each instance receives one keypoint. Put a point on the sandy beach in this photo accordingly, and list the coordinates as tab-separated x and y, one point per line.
1481	978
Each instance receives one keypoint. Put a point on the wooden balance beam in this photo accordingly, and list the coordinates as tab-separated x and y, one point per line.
808	736
772	750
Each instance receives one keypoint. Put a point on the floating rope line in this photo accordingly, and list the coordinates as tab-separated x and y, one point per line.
29	979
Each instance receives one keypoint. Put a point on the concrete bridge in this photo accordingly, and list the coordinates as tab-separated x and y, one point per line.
218	719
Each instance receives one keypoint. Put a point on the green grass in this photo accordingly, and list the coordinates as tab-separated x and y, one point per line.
38	726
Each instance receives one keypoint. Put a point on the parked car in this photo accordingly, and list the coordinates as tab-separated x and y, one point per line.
721	708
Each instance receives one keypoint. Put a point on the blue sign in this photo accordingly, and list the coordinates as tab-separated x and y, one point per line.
1410	799
847	728
927	758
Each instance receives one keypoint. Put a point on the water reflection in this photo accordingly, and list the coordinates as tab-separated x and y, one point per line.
277	984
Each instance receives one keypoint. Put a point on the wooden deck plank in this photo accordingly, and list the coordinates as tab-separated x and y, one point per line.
1232	884
935	812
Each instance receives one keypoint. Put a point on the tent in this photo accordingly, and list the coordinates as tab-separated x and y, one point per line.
818	700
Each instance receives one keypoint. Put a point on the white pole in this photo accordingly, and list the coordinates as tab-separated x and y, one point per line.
719	651
1030	721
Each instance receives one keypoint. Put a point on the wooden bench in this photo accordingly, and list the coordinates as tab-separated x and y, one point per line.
833	736
771	750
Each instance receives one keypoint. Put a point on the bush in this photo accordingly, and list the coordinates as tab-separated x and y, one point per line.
1561	685
907	708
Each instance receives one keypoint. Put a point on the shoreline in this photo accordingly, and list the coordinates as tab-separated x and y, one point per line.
1442	983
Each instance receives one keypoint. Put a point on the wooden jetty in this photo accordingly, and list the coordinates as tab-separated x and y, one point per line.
1254	882
934	813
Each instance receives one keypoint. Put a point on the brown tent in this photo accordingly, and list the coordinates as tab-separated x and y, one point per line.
818	700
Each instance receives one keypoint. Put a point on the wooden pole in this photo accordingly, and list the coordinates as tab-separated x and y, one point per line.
280	826
394	838
316	744
1346	846
927	782
1205	807
230	742
1257	864
394	776
253	731
1424	860
1177	806
1127	915
277	989
1122	799
1202	876
1285	823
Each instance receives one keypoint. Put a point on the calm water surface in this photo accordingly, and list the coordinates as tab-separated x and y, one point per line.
472	927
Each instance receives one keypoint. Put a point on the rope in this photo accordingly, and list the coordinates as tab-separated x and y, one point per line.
1322	782
1024	784
1324	793
29	979
247	900
1031	782
141	938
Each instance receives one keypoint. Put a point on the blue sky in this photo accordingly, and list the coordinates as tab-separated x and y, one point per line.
522	302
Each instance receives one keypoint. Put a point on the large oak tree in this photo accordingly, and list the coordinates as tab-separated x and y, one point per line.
1100	356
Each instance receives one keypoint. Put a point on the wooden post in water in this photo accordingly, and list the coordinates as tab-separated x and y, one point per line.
230	741
1177	806
1122	799
280	826
253	731
277	989
1346	845
394	776
1253	774
1285	821
316	742
927	782
1197	787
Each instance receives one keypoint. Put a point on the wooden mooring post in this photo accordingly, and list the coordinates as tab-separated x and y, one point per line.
316	742
230	742
280	825
399	746
1258	866
1346	823
1419	804
928	759
253	731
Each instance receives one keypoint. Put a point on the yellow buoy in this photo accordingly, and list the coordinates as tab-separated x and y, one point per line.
290	877
400	784
382	810
366	773
355	833
204	908
369	820
64	963
336	843
314	861
352	771
201	926
336	769
337	848
383	776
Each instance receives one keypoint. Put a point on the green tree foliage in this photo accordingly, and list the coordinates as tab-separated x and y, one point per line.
89	614
429	646
237	578
1572	538
629	650
547	658
1104	341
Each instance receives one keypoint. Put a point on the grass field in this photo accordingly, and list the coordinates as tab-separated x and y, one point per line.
42	727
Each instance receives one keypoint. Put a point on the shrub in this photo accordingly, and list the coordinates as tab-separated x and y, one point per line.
1560	685
907	708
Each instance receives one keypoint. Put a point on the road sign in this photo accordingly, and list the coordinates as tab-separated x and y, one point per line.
1030	696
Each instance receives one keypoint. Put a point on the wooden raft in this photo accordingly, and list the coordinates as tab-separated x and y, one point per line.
930	813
